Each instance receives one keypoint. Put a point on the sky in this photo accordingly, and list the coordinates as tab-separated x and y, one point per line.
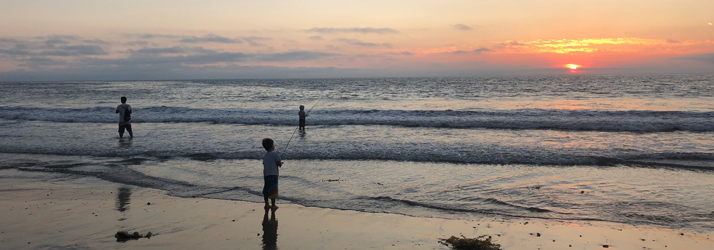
219	39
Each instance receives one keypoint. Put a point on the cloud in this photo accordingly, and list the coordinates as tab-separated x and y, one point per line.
54	45
169	50
97	41
8	40
709	57
16	52
205	58
50	43
43	60
315	38
481	50
363	44
152	36
254	40
75	50
60	37
461	27
37	63
210	38
466	52
182	72
512	43
353	30
292	56
67	50
403	53
52	40
137	43
590	45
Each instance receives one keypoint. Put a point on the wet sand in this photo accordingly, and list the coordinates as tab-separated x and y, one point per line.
85	213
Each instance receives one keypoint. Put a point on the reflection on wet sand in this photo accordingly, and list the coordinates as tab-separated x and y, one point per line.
123	199
125	142
270	231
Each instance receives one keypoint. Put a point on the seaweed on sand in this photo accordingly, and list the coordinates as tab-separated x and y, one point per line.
479	243
124	236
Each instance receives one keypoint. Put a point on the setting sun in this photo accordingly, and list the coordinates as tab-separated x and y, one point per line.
572	66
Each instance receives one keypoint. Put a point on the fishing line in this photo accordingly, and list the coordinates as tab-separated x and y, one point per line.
296	129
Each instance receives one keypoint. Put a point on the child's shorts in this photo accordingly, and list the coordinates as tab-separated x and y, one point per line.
270	189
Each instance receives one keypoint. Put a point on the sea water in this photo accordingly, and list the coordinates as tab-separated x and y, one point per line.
635	149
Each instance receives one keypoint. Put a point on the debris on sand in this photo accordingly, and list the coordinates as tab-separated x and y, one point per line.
479	243
123	236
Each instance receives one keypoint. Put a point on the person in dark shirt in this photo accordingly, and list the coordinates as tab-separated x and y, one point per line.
124	111
302	115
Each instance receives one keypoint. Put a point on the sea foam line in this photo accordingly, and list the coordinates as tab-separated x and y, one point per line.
551	119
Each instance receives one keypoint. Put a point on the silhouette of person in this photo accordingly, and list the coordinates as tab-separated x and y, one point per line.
302	116
124	111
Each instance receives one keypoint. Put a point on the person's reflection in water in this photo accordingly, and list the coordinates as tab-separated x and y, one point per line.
125	142
270	231
123	198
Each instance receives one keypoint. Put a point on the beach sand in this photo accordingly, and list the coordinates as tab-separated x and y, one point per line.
85	213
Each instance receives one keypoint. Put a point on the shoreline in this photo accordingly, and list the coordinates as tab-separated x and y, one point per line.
55	211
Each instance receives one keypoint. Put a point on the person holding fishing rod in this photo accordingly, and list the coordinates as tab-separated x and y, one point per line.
302	115
271	162
301	126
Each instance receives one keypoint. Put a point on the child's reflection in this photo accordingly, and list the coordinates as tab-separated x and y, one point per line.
270	231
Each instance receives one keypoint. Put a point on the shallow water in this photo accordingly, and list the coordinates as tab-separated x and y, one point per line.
629	149
672	198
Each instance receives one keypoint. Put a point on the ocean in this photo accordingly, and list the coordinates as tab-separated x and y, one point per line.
632	149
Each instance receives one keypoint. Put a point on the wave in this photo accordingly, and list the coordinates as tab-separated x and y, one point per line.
700	161
639	212
491	201
536	119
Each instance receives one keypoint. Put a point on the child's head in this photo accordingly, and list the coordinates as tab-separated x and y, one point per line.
268	144
302	107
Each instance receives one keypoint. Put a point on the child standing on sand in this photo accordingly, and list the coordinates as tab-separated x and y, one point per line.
271	162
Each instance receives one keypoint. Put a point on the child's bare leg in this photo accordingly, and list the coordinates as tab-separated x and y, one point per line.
267	205
274	206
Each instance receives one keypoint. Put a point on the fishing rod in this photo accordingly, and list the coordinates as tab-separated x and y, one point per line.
285	151
318	100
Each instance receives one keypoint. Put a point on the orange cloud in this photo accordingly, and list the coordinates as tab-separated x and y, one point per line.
592	45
